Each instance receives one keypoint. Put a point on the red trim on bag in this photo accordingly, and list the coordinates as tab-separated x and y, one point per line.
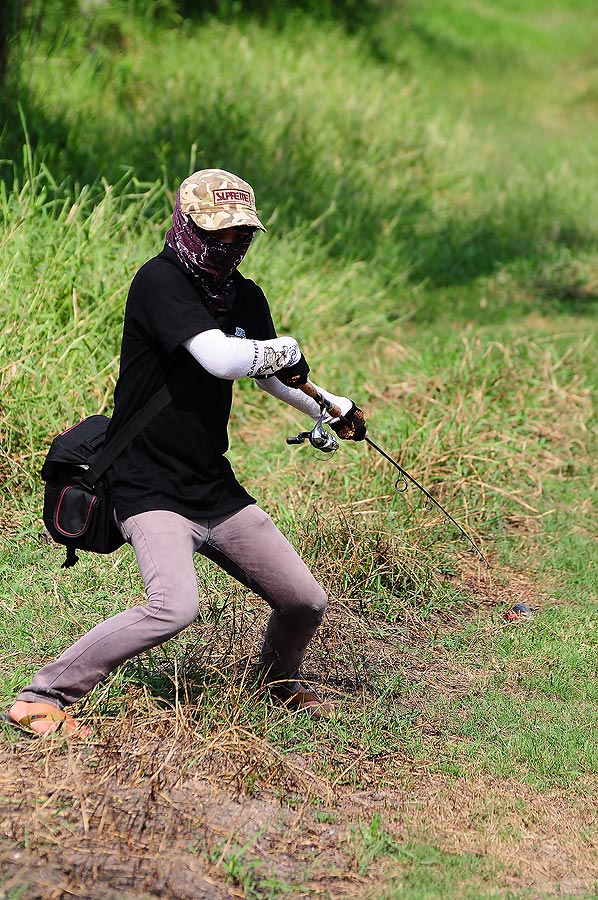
66	431
57	513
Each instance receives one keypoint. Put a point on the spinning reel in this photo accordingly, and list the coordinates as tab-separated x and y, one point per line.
318	437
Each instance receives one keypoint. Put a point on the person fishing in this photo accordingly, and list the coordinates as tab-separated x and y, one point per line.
194	323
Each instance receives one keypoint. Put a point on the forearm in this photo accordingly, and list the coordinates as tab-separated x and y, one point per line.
300	401
231	357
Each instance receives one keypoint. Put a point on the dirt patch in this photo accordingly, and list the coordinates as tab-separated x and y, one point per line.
117	822
76	824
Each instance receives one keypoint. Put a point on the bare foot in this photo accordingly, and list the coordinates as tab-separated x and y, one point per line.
44	718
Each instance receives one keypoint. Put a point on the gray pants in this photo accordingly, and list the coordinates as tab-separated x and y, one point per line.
245	544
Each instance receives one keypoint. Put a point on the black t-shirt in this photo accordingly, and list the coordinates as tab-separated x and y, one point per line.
177	462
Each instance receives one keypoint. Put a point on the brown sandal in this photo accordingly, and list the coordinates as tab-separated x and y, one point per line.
312	704
65	724
302	698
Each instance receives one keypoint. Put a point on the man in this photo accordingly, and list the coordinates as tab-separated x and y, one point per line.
194	323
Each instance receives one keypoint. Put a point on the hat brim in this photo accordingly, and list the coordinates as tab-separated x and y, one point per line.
226	219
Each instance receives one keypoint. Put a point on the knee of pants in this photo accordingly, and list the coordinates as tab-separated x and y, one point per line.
306	610
174	612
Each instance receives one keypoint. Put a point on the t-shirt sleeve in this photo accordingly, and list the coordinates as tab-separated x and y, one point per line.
256	313
268	329
166	305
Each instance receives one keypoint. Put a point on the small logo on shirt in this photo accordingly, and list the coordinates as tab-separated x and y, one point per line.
240	332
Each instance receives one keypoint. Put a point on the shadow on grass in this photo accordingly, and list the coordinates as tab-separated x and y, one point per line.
463	250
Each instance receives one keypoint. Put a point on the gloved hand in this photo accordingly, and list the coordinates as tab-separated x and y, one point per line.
352	426
294	375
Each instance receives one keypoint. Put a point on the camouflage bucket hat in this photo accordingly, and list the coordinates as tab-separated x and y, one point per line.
217	199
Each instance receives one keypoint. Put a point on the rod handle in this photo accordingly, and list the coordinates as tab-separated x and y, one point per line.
312	391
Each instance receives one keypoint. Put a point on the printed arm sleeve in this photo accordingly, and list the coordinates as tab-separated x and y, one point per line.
232	357
300	401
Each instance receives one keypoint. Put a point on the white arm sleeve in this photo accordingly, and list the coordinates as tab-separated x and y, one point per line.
298	400
231	357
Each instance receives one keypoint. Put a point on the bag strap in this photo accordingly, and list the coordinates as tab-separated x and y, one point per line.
103	458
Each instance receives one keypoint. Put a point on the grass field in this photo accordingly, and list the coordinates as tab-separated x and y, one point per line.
427	174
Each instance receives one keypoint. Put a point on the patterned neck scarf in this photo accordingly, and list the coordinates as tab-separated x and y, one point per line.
210	261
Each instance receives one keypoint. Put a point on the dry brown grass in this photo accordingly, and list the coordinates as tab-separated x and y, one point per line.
137	828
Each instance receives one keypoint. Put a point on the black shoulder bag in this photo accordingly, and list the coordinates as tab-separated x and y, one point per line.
78	509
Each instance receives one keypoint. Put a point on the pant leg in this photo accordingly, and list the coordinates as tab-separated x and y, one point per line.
164	543
250	547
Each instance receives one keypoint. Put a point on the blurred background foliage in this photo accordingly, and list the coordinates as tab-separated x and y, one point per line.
440	145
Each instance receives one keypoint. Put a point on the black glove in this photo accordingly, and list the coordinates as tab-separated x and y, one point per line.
352	426
294	375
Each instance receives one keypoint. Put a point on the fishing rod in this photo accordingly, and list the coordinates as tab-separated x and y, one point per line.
322	440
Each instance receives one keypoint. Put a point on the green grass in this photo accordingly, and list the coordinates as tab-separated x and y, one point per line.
428	183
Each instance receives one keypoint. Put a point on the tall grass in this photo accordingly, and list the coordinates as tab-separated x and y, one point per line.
428	189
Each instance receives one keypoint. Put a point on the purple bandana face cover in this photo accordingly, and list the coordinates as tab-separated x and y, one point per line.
211	261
